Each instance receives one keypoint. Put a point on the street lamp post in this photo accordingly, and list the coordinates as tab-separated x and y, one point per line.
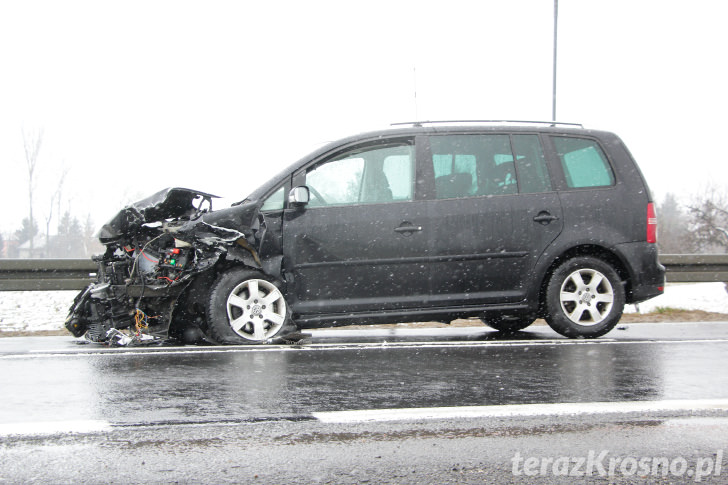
556	25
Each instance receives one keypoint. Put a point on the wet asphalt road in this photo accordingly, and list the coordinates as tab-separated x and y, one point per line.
83	413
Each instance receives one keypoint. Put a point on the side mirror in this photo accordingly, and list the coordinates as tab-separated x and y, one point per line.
299	196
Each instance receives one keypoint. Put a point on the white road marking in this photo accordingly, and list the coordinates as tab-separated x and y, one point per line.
349	346
48	428
53	427
515	410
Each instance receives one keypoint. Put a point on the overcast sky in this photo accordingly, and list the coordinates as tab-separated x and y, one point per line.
135	96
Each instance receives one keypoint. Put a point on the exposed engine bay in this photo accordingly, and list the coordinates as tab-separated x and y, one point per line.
162	254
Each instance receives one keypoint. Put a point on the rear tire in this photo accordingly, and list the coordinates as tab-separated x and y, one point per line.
246	307
584	298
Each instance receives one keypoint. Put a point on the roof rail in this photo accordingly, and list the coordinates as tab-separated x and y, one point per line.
551	123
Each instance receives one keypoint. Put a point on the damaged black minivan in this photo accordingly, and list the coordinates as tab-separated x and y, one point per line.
503	222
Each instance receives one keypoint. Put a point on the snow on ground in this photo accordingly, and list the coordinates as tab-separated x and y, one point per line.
34	310
709	297
47	310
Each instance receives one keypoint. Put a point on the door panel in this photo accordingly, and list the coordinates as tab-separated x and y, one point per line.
353	259
485	239
486	248
361	243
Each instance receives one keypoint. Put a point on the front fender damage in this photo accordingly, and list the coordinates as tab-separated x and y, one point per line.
156	249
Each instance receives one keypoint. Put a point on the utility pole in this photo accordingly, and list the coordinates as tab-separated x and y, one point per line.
556	29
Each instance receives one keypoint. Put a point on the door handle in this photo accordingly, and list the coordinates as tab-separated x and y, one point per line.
407	228
544	217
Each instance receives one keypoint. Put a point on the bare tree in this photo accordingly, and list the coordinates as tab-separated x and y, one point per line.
709	218
55	199
31	142
675	236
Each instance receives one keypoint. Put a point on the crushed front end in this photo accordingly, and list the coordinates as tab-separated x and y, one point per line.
155	250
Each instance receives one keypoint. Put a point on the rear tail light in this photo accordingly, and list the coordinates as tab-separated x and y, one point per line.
651	223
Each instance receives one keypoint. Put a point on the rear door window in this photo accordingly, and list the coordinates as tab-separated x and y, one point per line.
533	176
477	165
584	162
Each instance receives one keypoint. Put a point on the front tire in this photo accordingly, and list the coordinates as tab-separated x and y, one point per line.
246	307
584	298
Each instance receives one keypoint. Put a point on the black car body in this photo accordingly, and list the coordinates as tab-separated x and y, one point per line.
503	222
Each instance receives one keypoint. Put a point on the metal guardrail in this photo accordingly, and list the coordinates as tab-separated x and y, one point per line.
694	268
45	274
75	274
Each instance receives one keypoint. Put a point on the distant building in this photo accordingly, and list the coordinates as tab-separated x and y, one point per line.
39	248
9	248
57	247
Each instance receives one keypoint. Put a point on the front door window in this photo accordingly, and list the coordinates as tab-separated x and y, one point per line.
373	175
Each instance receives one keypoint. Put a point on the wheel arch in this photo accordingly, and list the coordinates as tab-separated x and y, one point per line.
190	307
265	319
594	250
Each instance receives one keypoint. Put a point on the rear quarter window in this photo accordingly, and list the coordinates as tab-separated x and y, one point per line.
584	162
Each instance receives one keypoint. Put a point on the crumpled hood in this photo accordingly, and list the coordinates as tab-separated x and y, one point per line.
157	246
170	203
